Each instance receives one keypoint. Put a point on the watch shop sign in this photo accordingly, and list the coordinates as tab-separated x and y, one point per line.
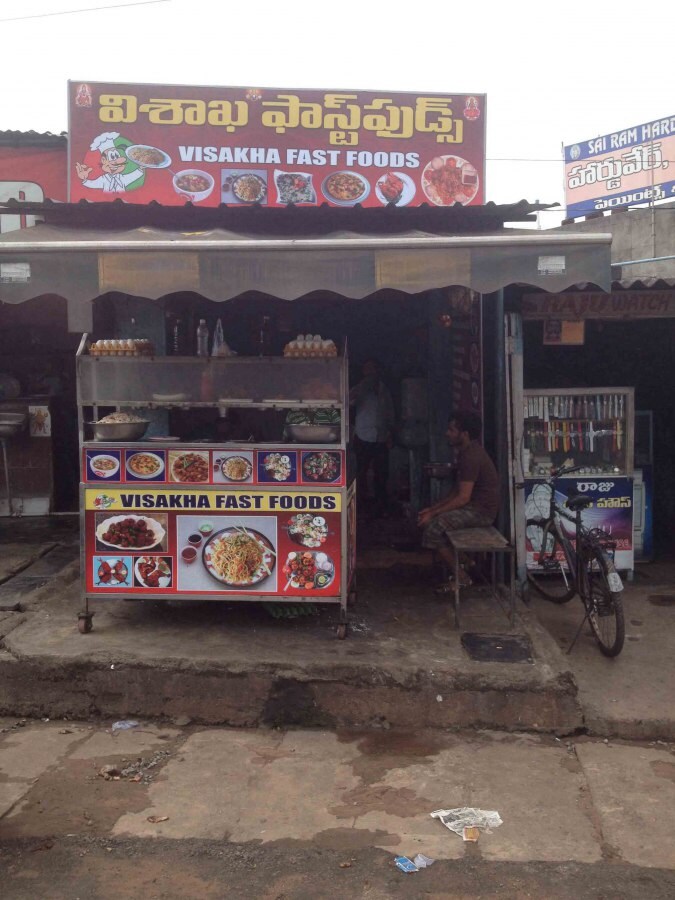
247	146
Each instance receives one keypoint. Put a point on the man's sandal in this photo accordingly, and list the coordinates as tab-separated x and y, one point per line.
449	586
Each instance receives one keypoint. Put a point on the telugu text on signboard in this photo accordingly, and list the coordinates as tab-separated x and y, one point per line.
239	146
625	168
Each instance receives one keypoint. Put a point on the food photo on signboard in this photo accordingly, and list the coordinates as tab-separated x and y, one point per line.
226	553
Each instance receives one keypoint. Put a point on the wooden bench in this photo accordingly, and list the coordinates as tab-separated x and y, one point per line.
483	540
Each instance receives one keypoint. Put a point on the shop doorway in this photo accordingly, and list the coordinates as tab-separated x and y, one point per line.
637	353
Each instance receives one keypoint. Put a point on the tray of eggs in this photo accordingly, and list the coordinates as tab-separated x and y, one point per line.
310	345
122	347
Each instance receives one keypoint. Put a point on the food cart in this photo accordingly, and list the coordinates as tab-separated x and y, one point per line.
164	517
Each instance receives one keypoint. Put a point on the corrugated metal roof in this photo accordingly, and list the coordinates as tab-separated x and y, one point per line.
257	219
33	139
632	284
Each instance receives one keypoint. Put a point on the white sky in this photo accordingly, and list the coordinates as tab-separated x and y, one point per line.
554	73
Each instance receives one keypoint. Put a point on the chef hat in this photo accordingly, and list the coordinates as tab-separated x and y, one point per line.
105	141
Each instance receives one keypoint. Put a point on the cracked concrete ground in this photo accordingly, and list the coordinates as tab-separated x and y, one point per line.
300	807
232	664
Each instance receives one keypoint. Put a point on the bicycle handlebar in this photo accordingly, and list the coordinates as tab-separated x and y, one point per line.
558	473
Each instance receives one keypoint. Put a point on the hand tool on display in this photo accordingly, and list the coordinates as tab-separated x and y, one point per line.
591	437
591	408
621	406
615	427
598	407
579	432
619	430
565	437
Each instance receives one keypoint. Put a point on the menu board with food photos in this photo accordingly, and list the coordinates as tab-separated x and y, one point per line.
202	466
179	540
269	147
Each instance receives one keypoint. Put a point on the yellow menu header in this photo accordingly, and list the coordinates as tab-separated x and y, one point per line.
214	500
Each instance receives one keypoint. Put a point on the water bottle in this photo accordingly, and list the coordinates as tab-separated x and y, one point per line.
202	338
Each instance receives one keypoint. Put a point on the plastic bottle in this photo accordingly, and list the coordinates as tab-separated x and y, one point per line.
178	338
202	338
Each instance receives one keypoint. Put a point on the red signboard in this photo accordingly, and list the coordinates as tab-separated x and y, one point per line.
242	146
213	542
30	174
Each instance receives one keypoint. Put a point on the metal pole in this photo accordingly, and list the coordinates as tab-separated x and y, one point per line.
500	417
6	465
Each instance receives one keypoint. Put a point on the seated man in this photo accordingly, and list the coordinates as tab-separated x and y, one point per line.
474	501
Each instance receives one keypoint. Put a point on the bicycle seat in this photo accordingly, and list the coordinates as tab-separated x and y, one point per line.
578	501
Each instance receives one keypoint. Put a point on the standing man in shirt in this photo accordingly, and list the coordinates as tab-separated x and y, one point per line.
475	500
373	432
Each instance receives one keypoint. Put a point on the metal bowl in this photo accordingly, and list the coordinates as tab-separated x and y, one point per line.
314	434
119	431
12	423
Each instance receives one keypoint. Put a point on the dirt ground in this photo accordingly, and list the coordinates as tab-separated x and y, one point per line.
92	868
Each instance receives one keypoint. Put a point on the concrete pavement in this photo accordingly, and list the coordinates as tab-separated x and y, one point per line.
404	665
359	798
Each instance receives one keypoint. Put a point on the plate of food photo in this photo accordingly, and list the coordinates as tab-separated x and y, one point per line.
236	468
112	572
239	556
307	529
104	465
148	157
395	187
447	180
345	188
321	465
144	464
153	571
308	570
130	532
190	468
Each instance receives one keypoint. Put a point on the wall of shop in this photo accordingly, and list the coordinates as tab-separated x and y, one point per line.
642	233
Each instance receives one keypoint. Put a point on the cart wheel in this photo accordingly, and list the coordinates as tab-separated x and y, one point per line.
84	623
341	631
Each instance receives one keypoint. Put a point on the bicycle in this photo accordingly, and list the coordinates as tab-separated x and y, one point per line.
584	566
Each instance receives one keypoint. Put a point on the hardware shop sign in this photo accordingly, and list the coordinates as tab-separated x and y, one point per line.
624	168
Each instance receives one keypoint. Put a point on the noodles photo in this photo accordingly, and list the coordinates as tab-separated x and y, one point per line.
236	558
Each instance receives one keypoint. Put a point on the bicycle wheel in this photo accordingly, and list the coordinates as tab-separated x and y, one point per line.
604	606
553	578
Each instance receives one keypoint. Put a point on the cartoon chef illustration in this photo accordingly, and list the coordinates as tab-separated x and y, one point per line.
113	163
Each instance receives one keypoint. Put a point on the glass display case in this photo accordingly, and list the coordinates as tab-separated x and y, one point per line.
592	428
588	427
